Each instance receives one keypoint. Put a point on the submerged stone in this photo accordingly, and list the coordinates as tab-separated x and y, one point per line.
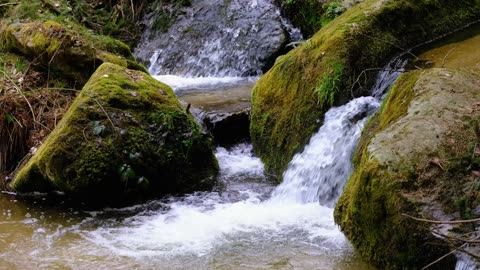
228	129
417	156
126	137
289	101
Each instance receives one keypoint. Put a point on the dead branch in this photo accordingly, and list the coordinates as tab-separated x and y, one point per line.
443	222
446	56
9	4
443	257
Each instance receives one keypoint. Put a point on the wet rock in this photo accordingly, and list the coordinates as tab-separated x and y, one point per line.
220	38
411	160
228	129
114	147
290	99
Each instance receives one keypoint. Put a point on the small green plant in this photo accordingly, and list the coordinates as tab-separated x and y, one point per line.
21	65
329	85
334	9
97	127
9	118
126	172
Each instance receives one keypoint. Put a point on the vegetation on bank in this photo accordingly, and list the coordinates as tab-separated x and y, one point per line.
290	99
311	15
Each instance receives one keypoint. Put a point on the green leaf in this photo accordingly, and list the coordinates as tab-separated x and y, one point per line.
97	130
130	173
9	118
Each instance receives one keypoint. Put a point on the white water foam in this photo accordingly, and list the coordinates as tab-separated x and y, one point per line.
319	173
179	83
202	223
239	162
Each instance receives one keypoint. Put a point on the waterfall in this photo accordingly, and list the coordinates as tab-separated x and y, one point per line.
218	38
319	173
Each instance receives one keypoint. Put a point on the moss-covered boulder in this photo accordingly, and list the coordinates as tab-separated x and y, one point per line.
417	156
70	49
289	100
125	137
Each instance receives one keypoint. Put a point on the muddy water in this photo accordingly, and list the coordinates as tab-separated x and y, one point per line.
461	50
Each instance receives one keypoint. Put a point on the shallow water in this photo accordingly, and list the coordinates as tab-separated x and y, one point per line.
213	94
239	227
461	50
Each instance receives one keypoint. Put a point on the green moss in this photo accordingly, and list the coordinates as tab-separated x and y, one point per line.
125	137
394	174
364	37
310	15
71	50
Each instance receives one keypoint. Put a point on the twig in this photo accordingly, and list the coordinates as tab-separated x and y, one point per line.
133	9
9	4
363	73
21	93
469	253
51	60
470	241
443	257
446	55
393	44
443	222
101	107
18	122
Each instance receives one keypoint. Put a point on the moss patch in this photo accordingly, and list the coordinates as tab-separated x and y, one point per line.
74	52
125	137
363	37
407	163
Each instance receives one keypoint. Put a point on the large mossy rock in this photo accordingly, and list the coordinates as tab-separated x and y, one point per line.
417	156
70	49
289	100
125	137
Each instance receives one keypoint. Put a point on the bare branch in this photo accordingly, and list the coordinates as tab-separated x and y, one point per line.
443	222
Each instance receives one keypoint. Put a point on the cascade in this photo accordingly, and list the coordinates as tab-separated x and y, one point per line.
217	38
319	173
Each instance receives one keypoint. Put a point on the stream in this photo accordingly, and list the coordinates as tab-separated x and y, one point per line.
247	222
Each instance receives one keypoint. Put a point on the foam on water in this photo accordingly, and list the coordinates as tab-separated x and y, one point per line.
197	230
319	173
239	161
203	222
179	83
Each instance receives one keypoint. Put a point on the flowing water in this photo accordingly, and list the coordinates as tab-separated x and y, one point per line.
241	226
218	38
247	222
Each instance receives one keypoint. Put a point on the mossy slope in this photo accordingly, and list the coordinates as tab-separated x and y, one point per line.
410	162
289	100
71	50
125	137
